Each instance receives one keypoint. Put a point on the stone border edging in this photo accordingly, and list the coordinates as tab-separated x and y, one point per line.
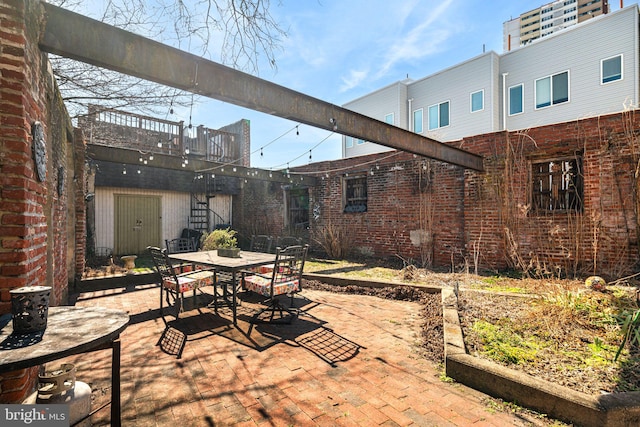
562	403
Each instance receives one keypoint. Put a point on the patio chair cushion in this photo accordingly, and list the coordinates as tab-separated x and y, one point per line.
262	285
189	281
263	269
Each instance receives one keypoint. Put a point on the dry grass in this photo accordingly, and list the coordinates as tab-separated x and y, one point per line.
558	330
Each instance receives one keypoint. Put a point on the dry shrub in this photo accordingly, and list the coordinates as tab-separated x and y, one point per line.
335	240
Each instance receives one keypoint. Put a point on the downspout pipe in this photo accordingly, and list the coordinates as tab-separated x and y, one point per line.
410	100
504	101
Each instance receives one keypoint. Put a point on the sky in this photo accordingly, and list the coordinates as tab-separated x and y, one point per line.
340	50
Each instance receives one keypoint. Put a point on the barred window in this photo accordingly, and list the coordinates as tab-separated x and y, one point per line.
355	194
557	185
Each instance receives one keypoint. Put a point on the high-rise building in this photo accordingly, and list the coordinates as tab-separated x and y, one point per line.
549	18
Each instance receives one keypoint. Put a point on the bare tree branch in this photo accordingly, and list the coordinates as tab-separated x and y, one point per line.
239	33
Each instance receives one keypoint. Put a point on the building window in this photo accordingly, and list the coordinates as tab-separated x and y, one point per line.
348	142
516	101
389	119
360	141
557	185
298	209
417	121
611	69
355	194
552	90
477	101
439	115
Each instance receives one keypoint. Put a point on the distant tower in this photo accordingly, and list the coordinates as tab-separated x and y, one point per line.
549	18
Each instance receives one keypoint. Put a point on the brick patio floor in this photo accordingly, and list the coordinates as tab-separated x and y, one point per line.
348	360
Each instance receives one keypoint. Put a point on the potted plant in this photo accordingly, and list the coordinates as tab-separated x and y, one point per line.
224	240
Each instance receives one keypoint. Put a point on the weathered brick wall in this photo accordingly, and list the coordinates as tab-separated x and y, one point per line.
434	213
602	239
34	223
258	210
413	203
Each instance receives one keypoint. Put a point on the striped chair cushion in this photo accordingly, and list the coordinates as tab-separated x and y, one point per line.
262	285
189	281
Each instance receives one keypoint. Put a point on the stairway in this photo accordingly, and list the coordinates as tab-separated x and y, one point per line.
199	216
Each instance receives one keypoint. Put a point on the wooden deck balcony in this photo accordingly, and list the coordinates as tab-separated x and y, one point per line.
150	135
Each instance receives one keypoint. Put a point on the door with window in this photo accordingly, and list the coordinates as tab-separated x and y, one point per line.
137	223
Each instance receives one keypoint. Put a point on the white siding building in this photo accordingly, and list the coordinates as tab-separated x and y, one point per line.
583	71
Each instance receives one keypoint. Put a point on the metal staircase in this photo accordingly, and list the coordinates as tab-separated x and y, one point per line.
200	210
199	216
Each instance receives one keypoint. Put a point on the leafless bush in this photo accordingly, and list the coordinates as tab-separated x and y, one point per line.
335	240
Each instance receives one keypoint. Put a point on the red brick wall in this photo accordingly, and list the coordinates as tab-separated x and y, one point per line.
405	194
601	240
484	219
34	220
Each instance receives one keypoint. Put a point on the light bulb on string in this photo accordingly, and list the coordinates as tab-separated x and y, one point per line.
261	153
151	157
297	130
309	155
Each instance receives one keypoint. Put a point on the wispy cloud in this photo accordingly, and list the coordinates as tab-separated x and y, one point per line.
420	41
353	79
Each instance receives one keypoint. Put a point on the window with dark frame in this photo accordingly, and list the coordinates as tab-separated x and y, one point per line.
355	194
557	185
299	208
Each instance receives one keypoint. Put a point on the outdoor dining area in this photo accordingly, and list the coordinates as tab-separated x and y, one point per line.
222	353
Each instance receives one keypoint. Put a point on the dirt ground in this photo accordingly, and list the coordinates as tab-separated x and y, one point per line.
571	326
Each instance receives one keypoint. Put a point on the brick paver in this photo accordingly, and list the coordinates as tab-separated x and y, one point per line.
347	360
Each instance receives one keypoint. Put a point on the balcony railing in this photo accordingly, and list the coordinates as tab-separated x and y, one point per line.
117	128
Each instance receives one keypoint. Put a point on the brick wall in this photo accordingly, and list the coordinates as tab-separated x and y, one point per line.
437	214
34	214
602	239
413	202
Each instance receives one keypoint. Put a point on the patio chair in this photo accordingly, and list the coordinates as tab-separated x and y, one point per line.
284	241
285	279
172	285
181	244
260	243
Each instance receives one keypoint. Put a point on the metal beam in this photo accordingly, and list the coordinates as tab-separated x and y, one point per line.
132	157
75	36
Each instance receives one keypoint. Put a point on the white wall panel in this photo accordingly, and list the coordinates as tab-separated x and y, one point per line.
175	207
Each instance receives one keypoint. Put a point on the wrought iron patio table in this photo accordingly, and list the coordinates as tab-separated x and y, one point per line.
245	261
69	331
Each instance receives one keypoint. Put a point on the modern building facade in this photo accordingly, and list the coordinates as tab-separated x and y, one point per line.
557	78
550	18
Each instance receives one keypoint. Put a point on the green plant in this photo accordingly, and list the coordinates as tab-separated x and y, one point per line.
630	330
222	238
503	344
